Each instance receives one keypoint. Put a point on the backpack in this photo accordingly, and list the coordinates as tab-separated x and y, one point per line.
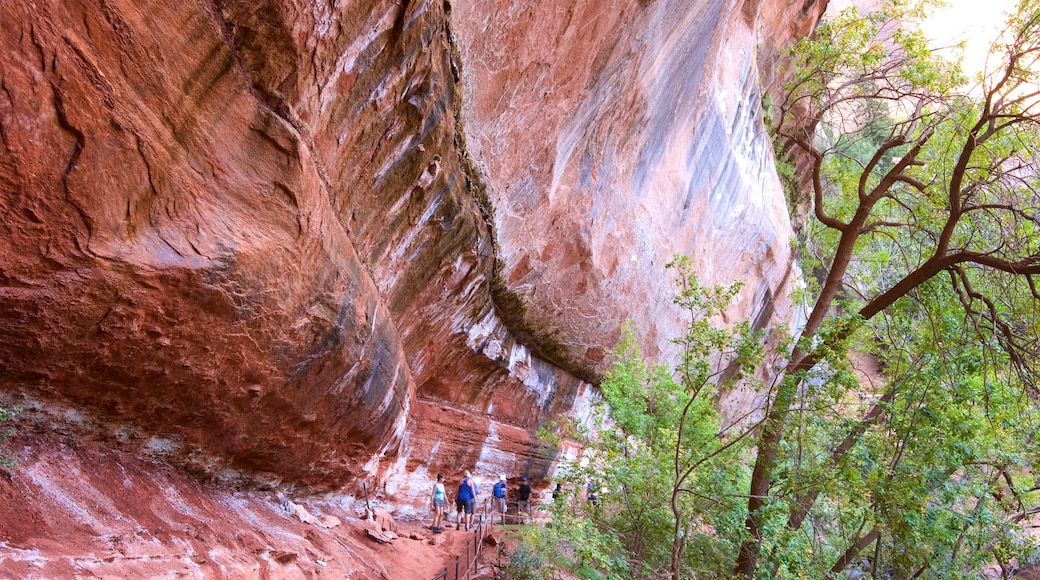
500	489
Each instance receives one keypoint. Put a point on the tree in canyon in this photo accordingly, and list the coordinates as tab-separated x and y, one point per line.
921	251
923	245
938	472
664	469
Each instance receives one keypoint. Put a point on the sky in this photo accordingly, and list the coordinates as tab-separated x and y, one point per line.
976	21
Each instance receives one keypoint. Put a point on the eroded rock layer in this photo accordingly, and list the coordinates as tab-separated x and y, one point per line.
175	259
334	241
76	509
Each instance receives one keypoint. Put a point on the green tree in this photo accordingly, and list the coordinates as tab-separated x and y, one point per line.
932	474
666	471
920	196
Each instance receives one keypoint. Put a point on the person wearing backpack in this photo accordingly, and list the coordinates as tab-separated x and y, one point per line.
464	500
499	491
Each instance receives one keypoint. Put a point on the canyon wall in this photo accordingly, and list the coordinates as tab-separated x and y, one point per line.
315	244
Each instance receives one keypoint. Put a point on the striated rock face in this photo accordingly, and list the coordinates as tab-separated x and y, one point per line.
327	242
615	135
175	260
78	510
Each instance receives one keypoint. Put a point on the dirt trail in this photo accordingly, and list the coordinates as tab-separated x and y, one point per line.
76	509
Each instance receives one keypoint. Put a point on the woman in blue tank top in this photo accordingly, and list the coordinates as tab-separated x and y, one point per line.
440	501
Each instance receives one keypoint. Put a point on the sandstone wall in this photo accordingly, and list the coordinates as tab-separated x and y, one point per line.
175	261
77	509
334	241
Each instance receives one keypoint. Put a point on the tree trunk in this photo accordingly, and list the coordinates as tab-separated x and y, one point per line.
678	538
762	476
852	552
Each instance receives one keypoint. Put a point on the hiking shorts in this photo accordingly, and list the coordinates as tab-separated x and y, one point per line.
464	505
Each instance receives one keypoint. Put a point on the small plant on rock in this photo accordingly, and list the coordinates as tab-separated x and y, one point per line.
7	458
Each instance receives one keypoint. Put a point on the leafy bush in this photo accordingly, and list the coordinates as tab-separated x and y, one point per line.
526	564
7	458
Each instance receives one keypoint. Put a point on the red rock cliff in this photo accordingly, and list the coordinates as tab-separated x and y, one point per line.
315	242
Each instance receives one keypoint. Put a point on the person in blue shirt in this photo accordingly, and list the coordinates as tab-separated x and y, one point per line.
464	501
499	491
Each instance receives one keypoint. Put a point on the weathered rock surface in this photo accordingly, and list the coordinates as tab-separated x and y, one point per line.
613	136
174	259
310	243
75	509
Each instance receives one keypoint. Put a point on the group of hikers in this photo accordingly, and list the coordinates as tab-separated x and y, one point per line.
466	497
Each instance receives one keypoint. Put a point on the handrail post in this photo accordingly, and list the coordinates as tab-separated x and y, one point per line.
484	527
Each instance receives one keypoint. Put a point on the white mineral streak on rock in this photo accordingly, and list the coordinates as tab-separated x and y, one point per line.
174	499
584	403
520	365
397	472
411	244
493	350
22	555
72	501
323	18
399	442
583	412
517	360
493	460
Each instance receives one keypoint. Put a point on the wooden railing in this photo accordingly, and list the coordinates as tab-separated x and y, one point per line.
466	562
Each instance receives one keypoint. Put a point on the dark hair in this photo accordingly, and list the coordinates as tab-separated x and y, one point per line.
440	476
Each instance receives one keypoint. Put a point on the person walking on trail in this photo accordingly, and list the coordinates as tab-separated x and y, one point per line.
440	501
499	491
464	500
524	494
590	493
